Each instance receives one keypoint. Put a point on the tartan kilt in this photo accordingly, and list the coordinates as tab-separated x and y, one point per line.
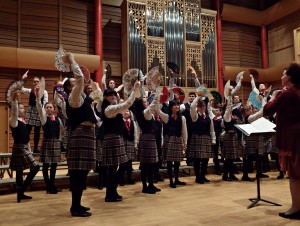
130	150
22	158
254	143
99	152
270	144
113	150
172	149
232	148
147	149
200	147
50	151
82	148
66	137
32	116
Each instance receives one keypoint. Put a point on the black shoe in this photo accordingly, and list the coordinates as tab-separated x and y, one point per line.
81	208
205	179
263	176
232	177
189	164
172	185
113	199
246	178
79	213
52	191
280	176
148	190
295	215
226	178
57	189
199	181
152	187
218	173
238	160
130	181
154	180
180	182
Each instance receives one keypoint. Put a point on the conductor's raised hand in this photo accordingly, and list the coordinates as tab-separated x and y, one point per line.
25	75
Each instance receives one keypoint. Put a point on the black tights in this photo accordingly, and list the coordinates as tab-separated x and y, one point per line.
77	185
228	167
19	178
36	138
112	181
200	171
176	171
147	171
49	182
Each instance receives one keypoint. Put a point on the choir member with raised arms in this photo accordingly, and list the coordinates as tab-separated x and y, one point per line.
51	145
202	139
147	148
175	140
21	157
113	148
82	143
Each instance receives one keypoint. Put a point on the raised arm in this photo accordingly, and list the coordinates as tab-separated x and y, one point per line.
228	111
13	120
193	112
75	99
212	132
238	85
150	109
41	110
184	132
253	85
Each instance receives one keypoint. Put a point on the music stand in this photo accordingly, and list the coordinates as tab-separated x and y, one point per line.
258	170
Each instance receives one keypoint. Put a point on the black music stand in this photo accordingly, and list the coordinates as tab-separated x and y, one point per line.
258	172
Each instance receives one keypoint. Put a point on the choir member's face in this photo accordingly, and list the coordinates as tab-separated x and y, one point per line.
21	112
217	112
112	99
126	114
175	109
89	90
201	109
191	98
236	99
112	84
36	82
285	79
49	109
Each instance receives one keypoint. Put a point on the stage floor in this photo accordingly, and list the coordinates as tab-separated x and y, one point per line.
217	203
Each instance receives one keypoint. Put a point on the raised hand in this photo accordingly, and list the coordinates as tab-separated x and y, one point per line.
16	95
25	75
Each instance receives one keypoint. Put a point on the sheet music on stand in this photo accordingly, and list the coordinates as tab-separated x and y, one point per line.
259	126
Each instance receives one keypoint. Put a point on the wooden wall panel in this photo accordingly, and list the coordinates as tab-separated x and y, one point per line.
240	45
9	23
281	39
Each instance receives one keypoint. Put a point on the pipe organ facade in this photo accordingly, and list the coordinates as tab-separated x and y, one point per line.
178	31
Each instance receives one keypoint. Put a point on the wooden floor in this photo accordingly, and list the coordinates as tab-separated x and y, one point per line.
215	203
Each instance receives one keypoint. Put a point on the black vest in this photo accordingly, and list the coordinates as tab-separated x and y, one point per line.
173	127
230	125
32	98
147	126
202	126
77	116
158	125
20	133
51	128
129	134
113	125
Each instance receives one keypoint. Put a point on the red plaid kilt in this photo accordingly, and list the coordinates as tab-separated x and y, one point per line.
147	149
50	151
22	158
32	116
130	150
82	148
113	150
172	149
200	147
232	148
